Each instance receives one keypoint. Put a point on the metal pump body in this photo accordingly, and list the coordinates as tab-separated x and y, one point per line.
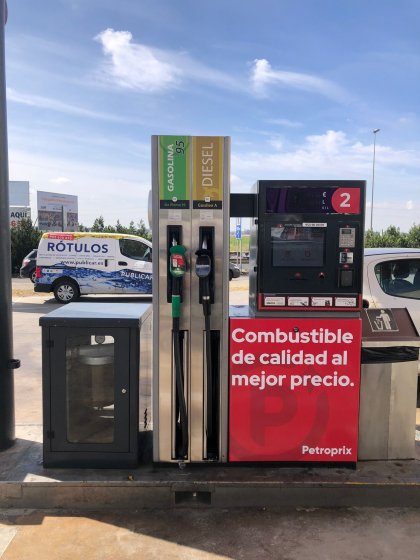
190	208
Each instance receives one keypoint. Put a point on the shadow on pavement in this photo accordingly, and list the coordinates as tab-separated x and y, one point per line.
30	307
47	305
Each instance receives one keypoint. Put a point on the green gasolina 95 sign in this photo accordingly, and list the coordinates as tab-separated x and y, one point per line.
174	174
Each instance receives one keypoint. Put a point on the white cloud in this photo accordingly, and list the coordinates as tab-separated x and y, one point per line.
55	105
407	120
263	75
60	180
333	155
142	68
136	66
238	184
285	122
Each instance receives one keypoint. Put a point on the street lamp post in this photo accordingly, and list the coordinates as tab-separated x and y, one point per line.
375	132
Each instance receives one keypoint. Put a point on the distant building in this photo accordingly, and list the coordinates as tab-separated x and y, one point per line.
19	205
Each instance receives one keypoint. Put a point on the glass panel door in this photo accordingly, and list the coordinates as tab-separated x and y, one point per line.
90	380
90	389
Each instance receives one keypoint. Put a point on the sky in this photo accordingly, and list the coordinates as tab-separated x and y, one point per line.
298	85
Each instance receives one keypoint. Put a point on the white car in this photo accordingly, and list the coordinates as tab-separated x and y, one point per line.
391	278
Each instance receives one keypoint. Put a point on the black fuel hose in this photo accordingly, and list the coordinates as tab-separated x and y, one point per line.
209	367
182	449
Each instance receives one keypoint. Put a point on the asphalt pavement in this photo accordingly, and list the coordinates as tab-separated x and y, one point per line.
236	534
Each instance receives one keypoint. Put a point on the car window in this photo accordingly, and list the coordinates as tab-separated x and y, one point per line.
135	250
399	277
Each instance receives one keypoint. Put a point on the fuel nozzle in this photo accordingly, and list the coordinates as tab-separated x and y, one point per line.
203	271
177	268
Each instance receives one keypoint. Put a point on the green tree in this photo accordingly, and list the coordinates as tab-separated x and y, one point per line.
24	238
119	228
373	238
414	236
140	229
143	231
98	224
393	237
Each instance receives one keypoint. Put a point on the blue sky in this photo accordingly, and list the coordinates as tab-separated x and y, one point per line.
299	85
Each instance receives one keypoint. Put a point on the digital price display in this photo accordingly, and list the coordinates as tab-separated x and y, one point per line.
312	200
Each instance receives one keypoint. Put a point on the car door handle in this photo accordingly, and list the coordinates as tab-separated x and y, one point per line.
122	263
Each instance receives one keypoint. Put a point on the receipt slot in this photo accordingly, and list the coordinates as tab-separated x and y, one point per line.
294	366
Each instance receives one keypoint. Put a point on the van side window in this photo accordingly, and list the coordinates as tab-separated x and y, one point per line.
135	250
399	278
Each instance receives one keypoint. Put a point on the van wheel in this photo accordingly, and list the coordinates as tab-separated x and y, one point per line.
66	291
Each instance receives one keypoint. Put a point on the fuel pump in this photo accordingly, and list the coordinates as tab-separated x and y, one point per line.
190	204
295	357
177	269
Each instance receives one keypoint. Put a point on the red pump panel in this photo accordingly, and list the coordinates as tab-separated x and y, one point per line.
294	389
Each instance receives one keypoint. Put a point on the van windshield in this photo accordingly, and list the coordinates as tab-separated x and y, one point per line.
135	250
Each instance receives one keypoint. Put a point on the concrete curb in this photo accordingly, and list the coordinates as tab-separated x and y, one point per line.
167	494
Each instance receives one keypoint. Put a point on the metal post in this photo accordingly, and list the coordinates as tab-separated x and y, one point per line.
7	364
375	132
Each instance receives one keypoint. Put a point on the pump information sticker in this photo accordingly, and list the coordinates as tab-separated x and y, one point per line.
208	172
298	301
276	301
174	176
294	389
345	302
321	301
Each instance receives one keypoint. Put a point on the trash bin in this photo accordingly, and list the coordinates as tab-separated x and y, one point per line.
388	385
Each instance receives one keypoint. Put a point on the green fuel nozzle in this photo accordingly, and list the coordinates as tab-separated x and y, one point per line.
177	268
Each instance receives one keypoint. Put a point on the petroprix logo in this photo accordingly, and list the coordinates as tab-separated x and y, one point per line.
330	451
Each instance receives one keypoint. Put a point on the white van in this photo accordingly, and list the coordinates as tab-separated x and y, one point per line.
74	264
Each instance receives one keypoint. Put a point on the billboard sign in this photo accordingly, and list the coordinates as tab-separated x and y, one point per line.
57	212
18	213
19	193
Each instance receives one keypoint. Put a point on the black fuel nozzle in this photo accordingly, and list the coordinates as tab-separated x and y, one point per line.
203	266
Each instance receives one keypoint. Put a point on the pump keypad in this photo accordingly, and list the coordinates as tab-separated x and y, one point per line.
347	237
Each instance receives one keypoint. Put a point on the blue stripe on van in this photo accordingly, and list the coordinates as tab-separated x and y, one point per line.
133	281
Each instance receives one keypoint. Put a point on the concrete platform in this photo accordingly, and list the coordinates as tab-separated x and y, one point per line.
24	483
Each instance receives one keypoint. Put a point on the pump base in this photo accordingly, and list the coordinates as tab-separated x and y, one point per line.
24	483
